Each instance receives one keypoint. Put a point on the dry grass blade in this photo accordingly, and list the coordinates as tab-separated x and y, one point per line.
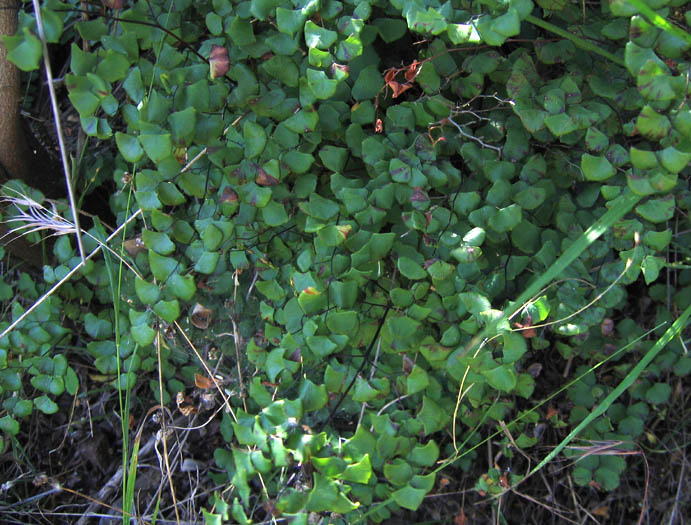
33	217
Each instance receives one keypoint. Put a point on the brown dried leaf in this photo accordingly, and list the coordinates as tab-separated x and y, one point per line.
202	382
134	246
201	316
219	62
185	404
389	75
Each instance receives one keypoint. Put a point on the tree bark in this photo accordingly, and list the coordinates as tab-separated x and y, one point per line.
14	153
15	157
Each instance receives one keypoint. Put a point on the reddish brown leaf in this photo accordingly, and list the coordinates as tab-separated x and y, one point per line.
389	75
228	195
219	62
551	411
399	89
460	518
264	179
412	71
202	382
603	512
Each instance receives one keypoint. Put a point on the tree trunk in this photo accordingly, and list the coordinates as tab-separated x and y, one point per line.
15	158
14	153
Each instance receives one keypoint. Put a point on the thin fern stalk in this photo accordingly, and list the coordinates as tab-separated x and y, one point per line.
58	128
67	277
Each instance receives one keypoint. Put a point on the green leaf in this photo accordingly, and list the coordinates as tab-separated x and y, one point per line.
463	34
182	124
157	241
255	139
214	23
157	147
652	124
318	37
506	219
502	377
289	21
143	334
367	84
425	455
274	214
657	210
240	32
24	50
409	498
651	266
207	262
312	301
45	405
161	267
9	425
147	292
333	157
359	472
169	311
129	147
183	287
313	396
322	86
390	29
417	380
596	168
326	496
410	269
514	347
658	394
297	161
673	160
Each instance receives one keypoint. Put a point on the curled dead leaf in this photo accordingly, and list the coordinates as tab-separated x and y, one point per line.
185	404
135	246
201	316
219	62
607	327
202	382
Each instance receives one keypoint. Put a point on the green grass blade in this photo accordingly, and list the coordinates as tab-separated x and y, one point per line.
660	21
620	207
637	370
577	41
